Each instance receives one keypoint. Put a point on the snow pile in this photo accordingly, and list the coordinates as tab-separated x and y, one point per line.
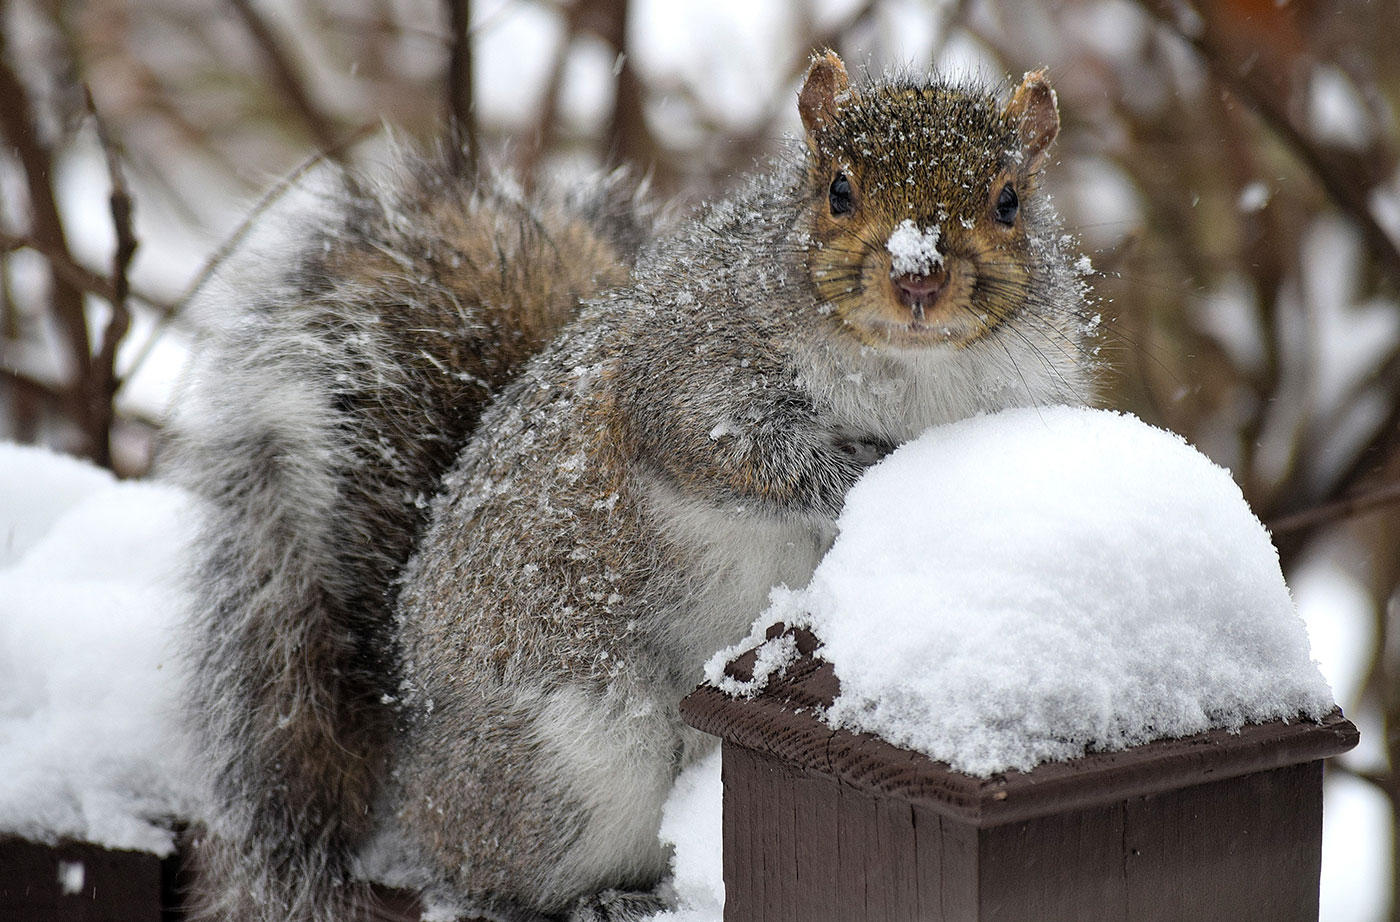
1028	586
89	741
691	824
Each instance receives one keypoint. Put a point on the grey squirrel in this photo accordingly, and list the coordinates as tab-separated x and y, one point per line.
488	477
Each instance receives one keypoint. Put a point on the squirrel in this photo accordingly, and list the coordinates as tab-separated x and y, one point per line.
487	479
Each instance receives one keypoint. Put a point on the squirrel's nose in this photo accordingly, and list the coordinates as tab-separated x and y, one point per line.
919	291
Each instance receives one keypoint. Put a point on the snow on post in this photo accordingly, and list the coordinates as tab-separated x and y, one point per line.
95	771
1049	661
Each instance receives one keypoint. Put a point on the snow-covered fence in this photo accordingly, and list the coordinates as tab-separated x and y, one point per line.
1078	613
83	882
826	824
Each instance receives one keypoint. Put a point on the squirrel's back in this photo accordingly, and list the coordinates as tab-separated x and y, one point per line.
346	365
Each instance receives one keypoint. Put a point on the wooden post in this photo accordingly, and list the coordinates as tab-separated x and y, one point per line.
79	882
823	824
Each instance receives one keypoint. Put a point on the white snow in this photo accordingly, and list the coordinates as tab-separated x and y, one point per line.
913	251
691	823
773	658
1337	112
1254	197
89	747
1027	586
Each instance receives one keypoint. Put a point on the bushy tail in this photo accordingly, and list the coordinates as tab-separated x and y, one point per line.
344	368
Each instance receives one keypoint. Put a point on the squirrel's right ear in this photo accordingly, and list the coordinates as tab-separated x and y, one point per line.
1036	115
816	101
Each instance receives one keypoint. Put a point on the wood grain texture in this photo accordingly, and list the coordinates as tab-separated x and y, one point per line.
102	885
799	845
824	825
782	722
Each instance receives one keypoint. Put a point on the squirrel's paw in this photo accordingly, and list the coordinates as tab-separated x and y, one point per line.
617	906
864	451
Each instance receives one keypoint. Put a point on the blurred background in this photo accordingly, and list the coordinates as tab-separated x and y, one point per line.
1232	169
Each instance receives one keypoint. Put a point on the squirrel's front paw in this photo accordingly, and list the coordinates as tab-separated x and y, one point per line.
617	906
864	451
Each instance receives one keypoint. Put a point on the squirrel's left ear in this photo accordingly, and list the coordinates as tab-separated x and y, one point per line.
1034	111
816	101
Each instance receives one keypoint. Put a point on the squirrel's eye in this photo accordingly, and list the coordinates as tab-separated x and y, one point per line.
1007	205
841	201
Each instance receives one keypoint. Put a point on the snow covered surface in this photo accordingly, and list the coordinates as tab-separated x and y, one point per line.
89	748
1030	585
691	823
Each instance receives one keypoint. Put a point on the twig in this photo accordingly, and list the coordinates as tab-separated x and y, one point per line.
103	382
1347	180
288	78
46	229
1338	509
543	136
627	138
1385	782
75	274
459	85
52	394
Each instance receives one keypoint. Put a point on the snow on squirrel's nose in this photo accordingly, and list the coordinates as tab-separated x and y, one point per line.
913	251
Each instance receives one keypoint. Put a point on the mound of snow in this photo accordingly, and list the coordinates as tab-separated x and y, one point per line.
1031	585
90	746
691	823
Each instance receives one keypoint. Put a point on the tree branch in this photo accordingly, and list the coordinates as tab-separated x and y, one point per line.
1253	71
287	77
75	274
227	249
103	382
460	112
1328	513
18	125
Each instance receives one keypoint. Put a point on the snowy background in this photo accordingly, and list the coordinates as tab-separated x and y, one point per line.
1230	167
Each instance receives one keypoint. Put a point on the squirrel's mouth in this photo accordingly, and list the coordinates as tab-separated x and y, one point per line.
922	334
920	311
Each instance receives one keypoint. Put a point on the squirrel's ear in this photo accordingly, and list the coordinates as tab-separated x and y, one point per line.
816	101
1034	112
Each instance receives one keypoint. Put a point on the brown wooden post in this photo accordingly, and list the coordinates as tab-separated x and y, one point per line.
823	824
79	882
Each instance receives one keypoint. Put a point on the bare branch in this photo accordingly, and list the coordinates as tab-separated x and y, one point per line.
1328	513
541	138
103	383
1263	79
459	85
17	124
287	77
1386	783
74	274
627	138
227	249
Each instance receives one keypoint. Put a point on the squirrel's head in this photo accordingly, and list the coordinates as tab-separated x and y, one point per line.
925	225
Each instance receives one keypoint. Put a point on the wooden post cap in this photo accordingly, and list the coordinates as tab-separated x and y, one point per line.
782	721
